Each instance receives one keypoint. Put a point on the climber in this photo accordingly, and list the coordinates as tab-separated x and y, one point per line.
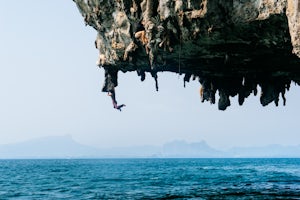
114	101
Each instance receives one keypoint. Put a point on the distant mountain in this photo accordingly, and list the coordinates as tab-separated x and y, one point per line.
274	150
146	151
66	147
195	150
48	147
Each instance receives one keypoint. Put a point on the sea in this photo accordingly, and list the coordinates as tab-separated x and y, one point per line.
150	179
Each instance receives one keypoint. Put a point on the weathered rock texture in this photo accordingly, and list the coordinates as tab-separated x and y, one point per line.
230	46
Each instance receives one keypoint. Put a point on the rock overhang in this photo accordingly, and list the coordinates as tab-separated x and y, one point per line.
231	47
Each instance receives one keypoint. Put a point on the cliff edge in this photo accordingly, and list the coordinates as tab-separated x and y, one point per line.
229	46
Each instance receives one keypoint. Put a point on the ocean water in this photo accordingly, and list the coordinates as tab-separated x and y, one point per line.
150	179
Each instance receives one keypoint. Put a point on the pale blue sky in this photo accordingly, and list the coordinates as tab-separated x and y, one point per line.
50	85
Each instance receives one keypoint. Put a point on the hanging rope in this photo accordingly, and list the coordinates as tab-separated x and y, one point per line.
179	57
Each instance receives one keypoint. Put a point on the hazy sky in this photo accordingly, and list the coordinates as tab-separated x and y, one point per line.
50	85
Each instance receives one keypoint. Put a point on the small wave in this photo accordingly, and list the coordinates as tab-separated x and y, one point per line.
150	179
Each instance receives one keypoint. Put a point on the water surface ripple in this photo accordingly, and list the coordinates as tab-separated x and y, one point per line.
150	179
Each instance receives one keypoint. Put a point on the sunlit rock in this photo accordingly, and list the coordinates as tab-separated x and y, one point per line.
230	47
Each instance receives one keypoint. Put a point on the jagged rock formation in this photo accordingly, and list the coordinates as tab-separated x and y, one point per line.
229	46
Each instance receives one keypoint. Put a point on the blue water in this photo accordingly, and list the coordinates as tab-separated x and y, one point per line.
150	179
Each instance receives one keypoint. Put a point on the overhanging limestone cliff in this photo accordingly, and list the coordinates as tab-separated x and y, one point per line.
229	46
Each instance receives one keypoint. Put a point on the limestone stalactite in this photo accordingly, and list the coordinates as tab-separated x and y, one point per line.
232	47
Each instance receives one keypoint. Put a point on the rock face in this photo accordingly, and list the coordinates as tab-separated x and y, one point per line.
229	46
